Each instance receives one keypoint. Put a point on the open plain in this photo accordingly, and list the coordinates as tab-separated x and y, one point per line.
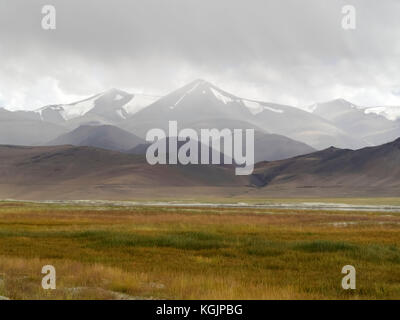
115	251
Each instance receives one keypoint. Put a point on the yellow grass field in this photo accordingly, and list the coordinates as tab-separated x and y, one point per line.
145	252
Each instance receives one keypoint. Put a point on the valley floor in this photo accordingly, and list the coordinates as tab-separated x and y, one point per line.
124	251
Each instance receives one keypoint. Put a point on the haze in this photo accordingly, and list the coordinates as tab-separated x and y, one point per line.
286	51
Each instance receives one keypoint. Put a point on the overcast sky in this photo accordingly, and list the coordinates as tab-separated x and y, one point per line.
287	51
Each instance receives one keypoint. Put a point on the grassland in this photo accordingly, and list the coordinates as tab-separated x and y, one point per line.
112	252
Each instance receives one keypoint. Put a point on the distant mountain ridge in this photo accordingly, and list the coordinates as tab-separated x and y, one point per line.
335	170
202	101
25	128
267	147
109	107
102	136
374	129
68	172
201	104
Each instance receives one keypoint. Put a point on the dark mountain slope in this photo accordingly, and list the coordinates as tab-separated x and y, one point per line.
67	172
105	136
368	167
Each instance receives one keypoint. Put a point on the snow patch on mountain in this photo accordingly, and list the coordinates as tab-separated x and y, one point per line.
224	99
138	102
256	107
390	113
70	111
186	93
121	114
77	110
40	111
311	108
253	106
273	109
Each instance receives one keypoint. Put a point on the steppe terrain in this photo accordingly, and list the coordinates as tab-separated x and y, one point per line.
124	251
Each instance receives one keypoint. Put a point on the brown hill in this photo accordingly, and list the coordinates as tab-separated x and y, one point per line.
99	136
68	172
368	171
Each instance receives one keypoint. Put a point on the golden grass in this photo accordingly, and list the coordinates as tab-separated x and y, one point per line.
108	252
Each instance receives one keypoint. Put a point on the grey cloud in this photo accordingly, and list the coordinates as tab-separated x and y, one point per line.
285	51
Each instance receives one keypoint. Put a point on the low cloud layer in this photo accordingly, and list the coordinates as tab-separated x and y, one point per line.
285	51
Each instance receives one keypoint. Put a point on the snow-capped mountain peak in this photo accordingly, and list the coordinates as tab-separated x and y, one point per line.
341	106
107	107
206	89
69	111
373	125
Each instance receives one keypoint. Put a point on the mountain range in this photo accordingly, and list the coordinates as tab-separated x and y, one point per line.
372	170
371	127
202	102
99	136
110	107
117	120
69	172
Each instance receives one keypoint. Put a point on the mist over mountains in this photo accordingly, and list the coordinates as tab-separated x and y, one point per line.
197	105
95	148
362	123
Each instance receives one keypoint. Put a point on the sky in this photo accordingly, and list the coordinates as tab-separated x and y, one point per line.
283	51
